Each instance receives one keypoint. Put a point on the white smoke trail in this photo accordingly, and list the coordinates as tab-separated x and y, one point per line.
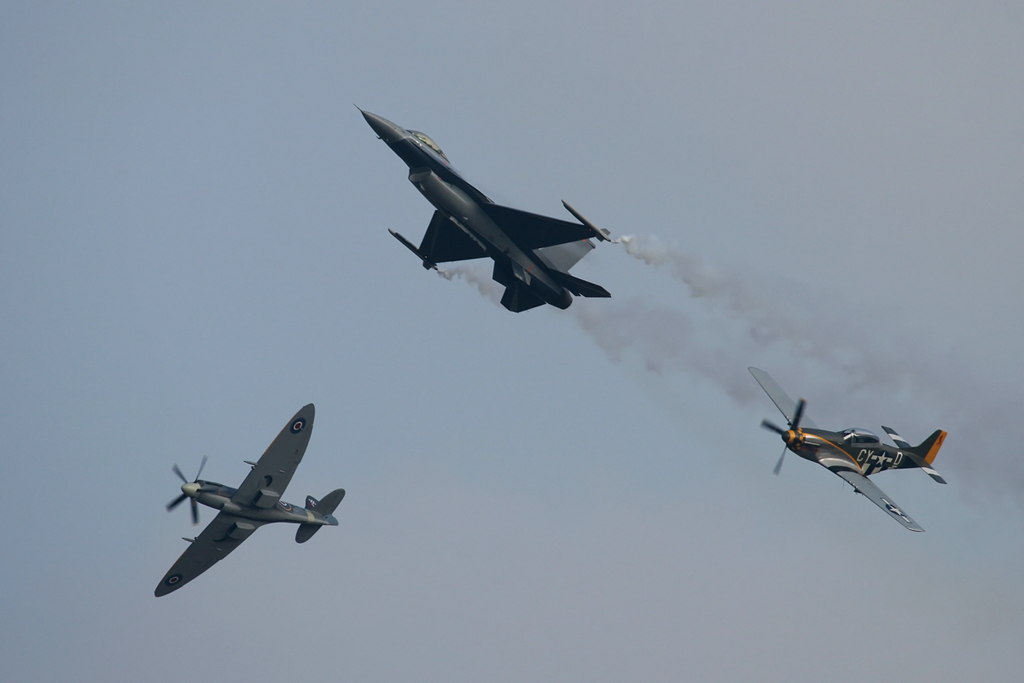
737	323
477	277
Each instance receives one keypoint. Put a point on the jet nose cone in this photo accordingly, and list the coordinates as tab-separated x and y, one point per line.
387	131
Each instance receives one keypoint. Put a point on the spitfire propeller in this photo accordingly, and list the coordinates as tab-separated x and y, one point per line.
189	489
789	436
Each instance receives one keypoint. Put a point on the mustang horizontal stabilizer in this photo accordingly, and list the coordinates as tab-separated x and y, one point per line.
780	398
867	488
533	231
920	455
580	287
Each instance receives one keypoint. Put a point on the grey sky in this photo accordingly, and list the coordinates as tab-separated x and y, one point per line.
193	245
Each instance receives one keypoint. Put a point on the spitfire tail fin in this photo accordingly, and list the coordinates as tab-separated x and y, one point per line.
330	502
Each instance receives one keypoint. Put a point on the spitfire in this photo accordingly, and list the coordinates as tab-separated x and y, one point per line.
532	254
853	454
255	503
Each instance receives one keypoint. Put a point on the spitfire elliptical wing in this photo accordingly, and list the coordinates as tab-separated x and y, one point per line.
266	482
221	536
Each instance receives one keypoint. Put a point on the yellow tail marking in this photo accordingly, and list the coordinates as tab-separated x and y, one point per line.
934	450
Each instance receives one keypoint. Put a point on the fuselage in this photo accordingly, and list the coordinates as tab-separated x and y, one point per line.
852	449
218	497
443	186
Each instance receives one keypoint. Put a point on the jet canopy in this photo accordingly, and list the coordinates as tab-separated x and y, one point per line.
425	139
858	435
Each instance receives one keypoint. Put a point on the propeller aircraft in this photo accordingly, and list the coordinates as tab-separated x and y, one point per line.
852	454
532	254
257	501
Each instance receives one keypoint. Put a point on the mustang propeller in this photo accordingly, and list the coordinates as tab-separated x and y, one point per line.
189	489
788	436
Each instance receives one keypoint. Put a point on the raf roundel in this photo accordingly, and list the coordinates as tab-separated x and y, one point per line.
173	579
298	425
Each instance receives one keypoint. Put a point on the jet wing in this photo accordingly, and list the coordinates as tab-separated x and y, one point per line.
780	398
533	231
444	241
221	536
269	478
866	487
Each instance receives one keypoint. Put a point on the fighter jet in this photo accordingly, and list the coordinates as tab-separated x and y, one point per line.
853	454
532	254
255	503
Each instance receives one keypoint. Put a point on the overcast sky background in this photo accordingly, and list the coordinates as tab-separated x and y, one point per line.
193	245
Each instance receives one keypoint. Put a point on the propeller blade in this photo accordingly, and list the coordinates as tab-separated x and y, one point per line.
178	472
795	424
772	426
195	512
176	502
778	465
201	466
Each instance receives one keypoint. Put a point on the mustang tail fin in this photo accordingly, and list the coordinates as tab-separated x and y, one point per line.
921	456
929	448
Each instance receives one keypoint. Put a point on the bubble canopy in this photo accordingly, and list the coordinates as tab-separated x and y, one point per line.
426	140
858	435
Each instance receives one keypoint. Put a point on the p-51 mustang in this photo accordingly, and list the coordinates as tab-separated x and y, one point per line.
255	503
852	454
532	254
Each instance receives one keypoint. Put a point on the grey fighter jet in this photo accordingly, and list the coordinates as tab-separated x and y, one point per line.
532	254
255	503
852	454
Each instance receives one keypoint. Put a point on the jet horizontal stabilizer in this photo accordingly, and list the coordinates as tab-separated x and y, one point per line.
580	287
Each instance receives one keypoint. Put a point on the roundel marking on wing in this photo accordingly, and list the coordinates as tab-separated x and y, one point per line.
298	425
172	580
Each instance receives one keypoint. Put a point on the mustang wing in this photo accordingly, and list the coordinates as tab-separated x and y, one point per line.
866	487
221	536
780	398
533	231
267	481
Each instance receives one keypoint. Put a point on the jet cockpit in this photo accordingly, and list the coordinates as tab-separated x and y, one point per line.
425	139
